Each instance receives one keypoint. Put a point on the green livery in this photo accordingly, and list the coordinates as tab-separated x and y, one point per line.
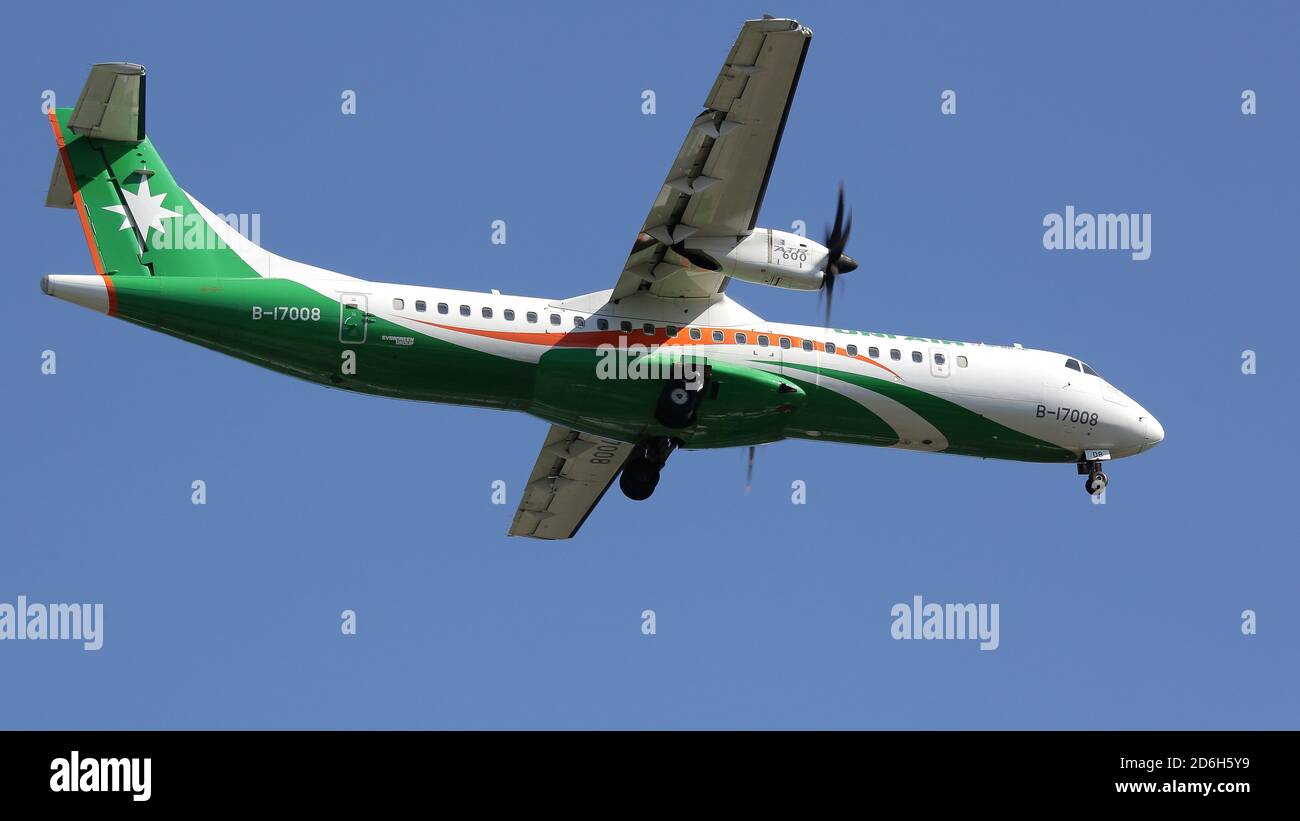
599	368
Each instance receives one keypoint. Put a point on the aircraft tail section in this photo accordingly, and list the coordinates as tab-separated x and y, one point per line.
138	222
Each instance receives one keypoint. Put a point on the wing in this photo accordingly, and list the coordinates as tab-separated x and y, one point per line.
572	473
715	187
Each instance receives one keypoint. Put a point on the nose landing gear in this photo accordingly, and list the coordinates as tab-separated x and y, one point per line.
1090	465
1095	483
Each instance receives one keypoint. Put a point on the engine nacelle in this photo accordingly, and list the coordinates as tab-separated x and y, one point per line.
768	257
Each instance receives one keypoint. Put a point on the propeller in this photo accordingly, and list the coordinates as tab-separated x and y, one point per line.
749	471
837	262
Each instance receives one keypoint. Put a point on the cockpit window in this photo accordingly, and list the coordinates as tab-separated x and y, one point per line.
1072	364
1090	371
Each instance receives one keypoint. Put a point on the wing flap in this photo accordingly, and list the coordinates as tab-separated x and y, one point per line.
571	474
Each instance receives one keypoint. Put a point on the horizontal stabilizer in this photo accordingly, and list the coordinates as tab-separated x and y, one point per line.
111	106
60	193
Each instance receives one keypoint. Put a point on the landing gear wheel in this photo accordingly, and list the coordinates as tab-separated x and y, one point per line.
640	474
676	405
1096	483
639	479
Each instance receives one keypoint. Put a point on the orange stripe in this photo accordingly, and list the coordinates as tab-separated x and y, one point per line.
81	212
592	339
878	365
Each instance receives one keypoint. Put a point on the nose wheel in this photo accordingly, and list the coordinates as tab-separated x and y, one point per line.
1096	483
1097	480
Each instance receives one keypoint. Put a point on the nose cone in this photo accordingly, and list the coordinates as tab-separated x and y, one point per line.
846	264
1153	431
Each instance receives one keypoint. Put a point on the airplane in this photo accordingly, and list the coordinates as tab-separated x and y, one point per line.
666	359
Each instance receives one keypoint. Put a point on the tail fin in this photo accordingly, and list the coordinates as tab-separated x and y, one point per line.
137	220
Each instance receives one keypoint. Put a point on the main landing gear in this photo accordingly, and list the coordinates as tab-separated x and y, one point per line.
676	408
679	400
1096	482
640	473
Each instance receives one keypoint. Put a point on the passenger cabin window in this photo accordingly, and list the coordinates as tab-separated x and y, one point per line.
399	304
579	322
830	347
740	339
895	354
555	319
1072	365
961	362
602	324
487	313
672	331
532	317
916	356
695	333
718	336
421	305
940	359
852	349
762	341
807	345
626	326
464	310
509	314
785	342
442	308
649	328
873	352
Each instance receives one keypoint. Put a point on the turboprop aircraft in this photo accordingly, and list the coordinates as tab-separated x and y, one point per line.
666	359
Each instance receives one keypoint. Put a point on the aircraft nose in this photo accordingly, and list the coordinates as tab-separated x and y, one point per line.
1153	431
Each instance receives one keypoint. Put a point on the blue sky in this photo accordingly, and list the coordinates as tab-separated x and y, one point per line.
769	614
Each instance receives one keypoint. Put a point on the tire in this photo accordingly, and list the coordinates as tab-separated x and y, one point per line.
1096	483
638	480
676	406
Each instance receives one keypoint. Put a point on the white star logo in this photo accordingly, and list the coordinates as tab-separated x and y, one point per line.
147	209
